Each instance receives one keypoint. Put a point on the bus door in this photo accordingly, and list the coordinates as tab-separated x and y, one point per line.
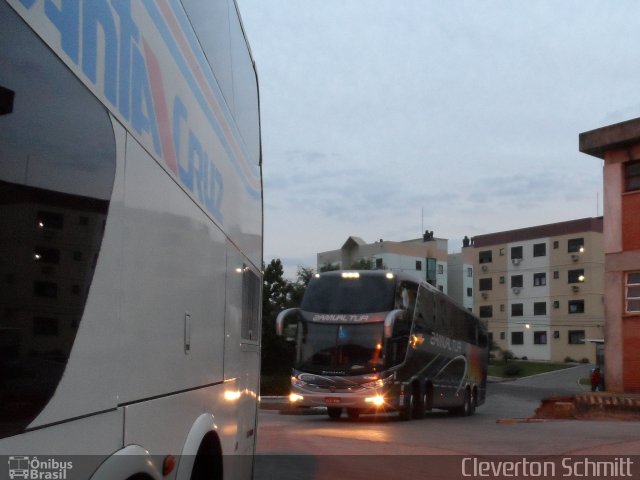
242	346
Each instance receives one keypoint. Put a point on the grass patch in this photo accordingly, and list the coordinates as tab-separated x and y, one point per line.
523	368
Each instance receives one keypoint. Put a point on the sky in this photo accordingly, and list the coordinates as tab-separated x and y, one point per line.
381	118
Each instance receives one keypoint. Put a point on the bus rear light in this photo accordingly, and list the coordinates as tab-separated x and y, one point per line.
168	465
294	397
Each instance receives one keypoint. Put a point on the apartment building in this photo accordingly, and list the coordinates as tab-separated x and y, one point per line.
619	146
424	257
540	289
460	278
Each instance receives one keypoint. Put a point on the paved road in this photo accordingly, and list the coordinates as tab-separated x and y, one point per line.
310	446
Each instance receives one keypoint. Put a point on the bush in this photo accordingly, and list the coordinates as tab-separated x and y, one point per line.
512	370
507	355
525	358
585	360
569	360
275	384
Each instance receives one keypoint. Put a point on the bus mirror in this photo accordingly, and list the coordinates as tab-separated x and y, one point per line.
390	320
289	315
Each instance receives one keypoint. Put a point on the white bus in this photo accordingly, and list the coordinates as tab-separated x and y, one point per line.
376	341
130	237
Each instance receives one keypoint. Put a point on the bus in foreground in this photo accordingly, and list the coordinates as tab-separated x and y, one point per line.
130	240
377	341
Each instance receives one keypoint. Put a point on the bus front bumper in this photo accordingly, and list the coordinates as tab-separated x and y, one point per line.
366	400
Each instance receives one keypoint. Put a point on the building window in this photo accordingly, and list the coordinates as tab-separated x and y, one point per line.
556	244
556	274
441	288
502	307
485	284
516	281
540	308
517	338
540	250
576	306
502	336
50	220
469	292
501	280
556	334
490	337
632	292
501	252
576	337
45	327
484	256
440	269
418	265
540	338
379	263
556	304
575	245
45	289
47	255
576	276
516	252
632	176
539	279
469	272
486	311
516	309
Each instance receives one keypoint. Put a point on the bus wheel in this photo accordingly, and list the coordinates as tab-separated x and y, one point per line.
405	411
334	412
413	407
418	404
353	413
467	407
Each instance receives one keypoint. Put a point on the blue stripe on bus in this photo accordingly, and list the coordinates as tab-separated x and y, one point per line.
169	40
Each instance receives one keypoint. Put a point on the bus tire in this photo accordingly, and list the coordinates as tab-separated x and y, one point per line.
353	413
428	397
419	403
208	461
405	411
334	412
467	408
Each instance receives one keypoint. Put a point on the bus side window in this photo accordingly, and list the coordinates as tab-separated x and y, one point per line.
406	297
425	315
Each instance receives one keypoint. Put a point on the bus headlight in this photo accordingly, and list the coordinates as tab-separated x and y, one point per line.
294	397
377	400
380	382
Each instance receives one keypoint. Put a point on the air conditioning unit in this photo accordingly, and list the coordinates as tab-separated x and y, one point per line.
516	290
485	268
485	295
516	261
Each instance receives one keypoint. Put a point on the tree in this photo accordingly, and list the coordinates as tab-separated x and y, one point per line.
276	293
304	276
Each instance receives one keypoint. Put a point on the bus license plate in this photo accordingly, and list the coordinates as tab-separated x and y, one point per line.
331	400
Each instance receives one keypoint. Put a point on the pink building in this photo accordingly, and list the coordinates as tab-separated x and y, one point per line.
619	146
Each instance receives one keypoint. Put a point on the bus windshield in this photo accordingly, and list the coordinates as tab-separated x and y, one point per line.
334	294
340	349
